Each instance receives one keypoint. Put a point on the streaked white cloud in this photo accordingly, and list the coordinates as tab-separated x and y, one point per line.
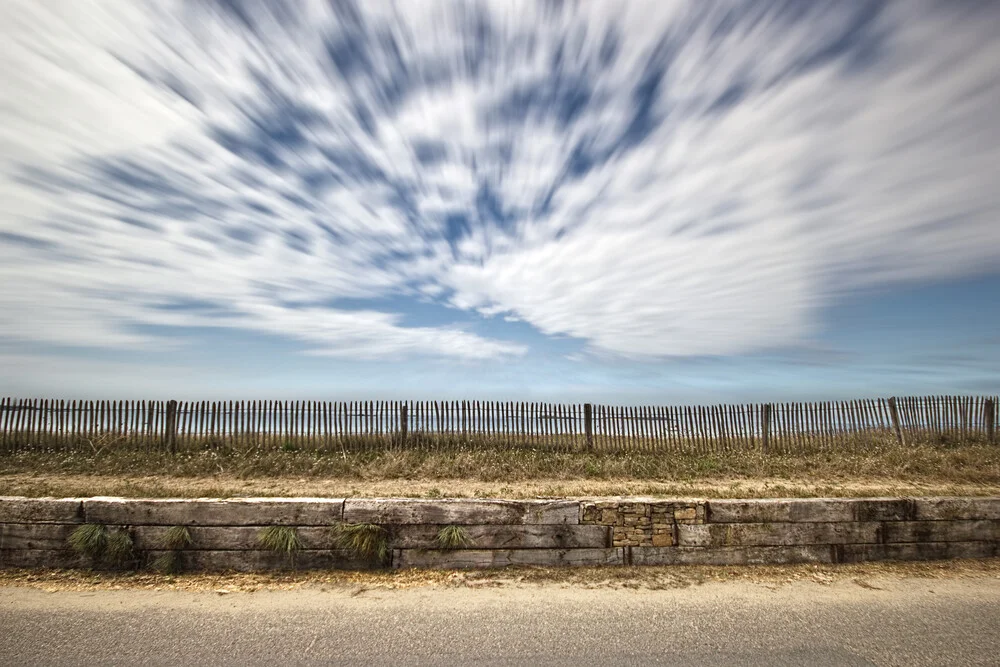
651	178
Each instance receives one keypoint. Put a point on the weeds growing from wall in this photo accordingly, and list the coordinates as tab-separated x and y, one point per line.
175	541
101	545
365	541
453	537
282	540
89	541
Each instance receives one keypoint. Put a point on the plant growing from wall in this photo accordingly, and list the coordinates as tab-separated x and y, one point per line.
281	539
102	545
365	541
175	541
453	537
120	550
90	541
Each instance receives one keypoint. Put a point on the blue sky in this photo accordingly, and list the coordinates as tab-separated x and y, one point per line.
636	202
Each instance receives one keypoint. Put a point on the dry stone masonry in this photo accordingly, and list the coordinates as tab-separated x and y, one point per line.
643	523
224	534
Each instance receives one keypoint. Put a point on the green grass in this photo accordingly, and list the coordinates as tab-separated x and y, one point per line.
170	562
90	541
280	539
177	538
120	549
453	537
102	545
365	541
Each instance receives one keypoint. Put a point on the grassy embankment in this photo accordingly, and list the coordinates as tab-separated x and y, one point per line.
855	467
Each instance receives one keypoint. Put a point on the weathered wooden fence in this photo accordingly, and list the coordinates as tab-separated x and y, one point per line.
42	424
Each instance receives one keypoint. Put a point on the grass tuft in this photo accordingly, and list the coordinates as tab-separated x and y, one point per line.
453	537
120	550
101	545
281	539
168	563
90	540
366	541
177	538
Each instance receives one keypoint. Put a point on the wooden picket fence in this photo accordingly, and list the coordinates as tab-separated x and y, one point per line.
43	424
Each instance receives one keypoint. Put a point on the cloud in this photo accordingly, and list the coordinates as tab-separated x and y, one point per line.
654	179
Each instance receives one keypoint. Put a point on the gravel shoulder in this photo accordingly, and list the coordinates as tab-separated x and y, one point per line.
230	486
869	576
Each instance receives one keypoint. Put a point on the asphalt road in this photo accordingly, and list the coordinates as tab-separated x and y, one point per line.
909	622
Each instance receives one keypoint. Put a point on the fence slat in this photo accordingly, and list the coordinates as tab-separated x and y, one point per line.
6	414
59	424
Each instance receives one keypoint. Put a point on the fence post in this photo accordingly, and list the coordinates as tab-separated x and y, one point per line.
170	427
765	425
588	424
403	422
989	414
894	415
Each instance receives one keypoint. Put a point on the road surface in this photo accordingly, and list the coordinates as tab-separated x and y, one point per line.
908	622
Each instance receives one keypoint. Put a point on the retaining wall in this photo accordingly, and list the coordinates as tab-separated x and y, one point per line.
34	532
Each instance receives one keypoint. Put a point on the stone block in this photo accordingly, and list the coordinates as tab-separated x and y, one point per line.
686	514
663	540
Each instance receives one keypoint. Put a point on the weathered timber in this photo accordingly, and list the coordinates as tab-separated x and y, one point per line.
811	510
776	534
558	536
894	416
871	532
39	558
40	510
940	531
853	553
254	561
205	512
951	509
35	535
460	511
484	558
728	555
229	538
765	427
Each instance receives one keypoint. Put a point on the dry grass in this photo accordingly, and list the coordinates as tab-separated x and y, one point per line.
872	469
453	537
865	575
366	541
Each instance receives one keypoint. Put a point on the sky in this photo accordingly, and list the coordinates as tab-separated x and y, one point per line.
655	202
